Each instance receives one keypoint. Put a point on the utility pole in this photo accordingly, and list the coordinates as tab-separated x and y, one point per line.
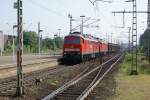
39	39
134	40
82	22
107	37
22	42
111	40
59	30
108	45
19	6
39	42
55	36
13	46
70	16
129	39
1	51
2	43
148	46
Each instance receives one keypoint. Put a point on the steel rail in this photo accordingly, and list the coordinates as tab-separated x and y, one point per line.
95	82
72	82
8	66
8	86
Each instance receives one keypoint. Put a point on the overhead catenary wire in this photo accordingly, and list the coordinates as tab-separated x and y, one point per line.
101	13
80	24
93	22
93	2
46	9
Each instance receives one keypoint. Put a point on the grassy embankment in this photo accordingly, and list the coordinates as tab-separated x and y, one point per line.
143	66
132	87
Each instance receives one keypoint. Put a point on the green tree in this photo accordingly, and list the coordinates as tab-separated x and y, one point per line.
58	42
54	46
8	47
144	41
47	43
30	41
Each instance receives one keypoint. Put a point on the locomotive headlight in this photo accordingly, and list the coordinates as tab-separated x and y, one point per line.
90	46
71	46
78	53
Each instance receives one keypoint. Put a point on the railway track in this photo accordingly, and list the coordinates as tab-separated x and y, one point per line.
9	70
80	87
9	66
8	86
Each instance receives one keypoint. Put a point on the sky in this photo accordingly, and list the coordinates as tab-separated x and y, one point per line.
53	15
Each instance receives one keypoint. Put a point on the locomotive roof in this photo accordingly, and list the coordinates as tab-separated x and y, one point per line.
87	37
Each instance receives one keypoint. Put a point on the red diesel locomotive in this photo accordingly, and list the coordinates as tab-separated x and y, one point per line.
79	47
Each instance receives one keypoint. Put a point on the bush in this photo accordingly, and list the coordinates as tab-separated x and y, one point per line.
143	66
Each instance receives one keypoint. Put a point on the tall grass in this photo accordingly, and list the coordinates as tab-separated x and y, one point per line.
143	66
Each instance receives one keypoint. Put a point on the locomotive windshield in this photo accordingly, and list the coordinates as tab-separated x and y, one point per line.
76	41
67	41
73	40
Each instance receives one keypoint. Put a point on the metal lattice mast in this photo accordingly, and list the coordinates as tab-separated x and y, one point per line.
134	33
148	16
129	40
148	28
134	39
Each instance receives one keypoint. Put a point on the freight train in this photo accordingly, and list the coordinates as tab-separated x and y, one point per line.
82	47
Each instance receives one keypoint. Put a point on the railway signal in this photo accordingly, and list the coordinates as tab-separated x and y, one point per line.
18	5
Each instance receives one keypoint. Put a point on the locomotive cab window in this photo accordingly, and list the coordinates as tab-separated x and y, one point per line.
76	41
67	41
